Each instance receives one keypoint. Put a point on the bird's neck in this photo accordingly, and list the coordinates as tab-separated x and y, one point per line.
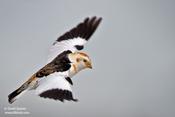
74	70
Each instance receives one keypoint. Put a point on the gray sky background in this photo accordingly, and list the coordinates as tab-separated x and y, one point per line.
133	54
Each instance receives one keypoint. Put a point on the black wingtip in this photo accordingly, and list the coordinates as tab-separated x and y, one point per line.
58	94
88	27
92	25
84	29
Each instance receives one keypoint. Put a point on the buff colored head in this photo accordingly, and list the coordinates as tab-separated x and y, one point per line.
81	60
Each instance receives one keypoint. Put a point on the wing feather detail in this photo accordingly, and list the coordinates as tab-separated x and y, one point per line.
75	39
83	30
56	87
58	94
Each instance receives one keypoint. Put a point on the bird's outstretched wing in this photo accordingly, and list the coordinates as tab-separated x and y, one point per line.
56	87
74	39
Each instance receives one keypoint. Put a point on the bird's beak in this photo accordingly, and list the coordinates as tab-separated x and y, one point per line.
89	65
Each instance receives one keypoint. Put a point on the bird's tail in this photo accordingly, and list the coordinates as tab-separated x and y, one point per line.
17	93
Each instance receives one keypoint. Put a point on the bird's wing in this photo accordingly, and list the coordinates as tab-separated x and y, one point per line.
56	87
74	39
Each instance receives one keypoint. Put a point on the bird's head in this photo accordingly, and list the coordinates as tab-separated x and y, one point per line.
80	60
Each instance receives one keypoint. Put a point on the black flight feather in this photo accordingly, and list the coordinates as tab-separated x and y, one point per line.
83	30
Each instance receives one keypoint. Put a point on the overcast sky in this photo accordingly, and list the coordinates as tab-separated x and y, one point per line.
133	55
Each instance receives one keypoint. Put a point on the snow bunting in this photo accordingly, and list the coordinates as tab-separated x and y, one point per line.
53	81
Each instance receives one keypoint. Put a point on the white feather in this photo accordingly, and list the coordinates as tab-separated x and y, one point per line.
52	81
64	45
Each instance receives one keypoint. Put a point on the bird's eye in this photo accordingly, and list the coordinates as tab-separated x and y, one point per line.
85	60
78	59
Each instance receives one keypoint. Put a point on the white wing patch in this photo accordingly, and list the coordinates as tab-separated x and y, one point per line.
74	39
59	47
53	81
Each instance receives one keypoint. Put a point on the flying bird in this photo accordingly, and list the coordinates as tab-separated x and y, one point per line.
53	81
